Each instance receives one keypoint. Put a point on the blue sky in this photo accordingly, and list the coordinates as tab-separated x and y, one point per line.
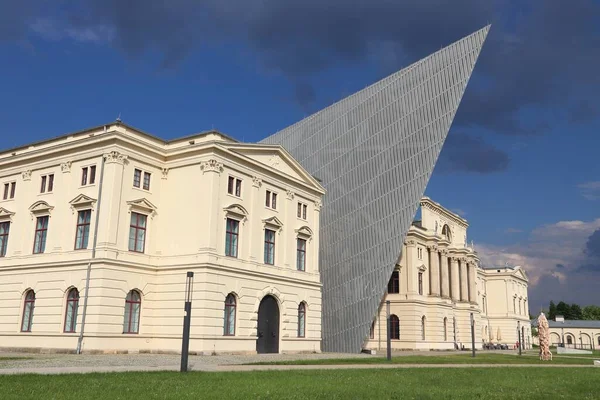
521	161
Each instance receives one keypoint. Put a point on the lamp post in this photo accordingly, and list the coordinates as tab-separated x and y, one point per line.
187	317
472	335
519	336
580	340
389	330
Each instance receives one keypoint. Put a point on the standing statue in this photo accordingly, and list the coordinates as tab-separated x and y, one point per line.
544	338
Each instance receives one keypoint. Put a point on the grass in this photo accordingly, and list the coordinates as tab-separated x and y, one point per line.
421	383
443	359
14	358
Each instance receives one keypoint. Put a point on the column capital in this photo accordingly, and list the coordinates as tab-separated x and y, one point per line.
212	165
411	243
114	157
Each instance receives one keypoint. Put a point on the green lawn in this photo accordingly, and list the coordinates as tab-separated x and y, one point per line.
486	358
420	383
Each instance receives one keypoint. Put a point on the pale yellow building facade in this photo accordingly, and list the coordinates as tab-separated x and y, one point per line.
127	214
438	284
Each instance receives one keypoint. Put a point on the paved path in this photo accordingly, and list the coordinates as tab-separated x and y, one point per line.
241	368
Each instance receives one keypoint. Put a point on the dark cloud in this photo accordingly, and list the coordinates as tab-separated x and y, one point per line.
540	56
560	266
592	247
464	153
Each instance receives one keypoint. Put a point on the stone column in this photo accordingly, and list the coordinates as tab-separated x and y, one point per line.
454	278
411	270
434	270
473	283
464	288
445	277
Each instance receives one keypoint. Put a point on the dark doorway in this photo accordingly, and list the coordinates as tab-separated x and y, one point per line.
268	326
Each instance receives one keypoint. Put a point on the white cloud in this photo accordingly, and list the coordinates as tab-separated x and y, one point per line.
52	29
546	247
590	190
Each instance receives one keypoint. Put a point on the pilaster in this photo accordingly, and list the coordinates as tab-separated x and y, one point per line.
445	276
411	269
110	207
211	171
434	270
454	278
464	288
473	283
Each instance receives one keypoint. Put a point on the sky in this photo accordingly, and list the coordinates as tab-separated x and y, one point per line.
521	159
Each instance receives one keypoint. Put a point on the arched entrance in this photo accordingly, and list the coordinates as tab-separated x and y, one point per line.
268	326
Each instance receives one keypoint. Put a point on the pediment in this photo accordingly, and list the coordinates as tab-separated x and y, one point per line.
273	222
304	231
422	268
520	273
142	205
5	214
276	158
82	201
40	207
236	209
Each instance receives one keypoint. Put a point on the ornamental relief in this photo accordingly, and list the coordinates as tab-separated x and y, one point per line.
65	167
212	165
114	157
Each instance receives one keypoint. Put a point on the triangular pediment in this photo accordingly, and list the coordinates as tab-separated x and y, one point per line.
520	273
143	205
5	214
82	201
276	158
273	222
40	207
422	267
236	209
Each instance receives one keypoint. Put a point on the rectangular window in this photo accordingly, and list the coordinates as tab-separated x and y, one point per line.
301	255
304	208
271	200
394	283
4	228
83	229
420	283
420	253
6	191
274	201
231	237
13	186
146	180
269	247
50	182
43	188
137	177
137	232
84	176
41	231
301	211
234	186
92	174
268	199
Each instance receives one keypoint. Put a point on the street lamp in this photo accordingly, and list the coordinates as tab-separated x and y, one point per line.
472	335
519	336
389	330
187	317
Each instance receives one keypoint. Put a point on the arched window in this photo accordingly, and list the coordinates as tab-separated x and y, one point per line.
446	234
445	329
133	305
394	283
28	306
598	340
423	327
301	319
71	310
395	326
229	323
372	331
569	339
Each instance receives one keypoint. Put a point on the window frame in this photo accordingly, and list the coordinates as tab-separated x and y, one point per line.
72	304
301	251
137	178
129	302
423	332
394	280
87	224
6	191
43	234
229	235
146	180
13	188
229	310
271	199
234	186
137	228
271	246
394	327
301	318
43	184
4	237
420	280
28	302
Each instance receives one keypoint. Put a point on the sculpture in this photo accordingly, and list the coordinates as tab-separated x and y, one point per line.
544	338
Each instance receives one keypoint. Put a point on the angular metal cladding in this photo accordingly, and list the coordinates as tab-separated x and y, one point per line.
374	152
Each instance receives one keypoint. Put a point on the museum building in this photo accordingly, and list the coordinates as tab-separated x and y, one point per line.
99	228
439	282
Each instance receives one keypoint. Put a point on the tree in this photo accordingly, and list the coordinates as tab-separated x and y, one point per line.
563	309
591	313
576	312
534	332
552	310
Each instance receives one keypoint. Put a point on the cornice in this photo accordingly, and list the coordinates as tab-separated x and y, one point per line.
429	204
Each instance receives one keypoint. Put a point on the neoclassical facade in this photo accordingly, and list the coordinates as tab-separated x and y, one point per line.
438	283
98	229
